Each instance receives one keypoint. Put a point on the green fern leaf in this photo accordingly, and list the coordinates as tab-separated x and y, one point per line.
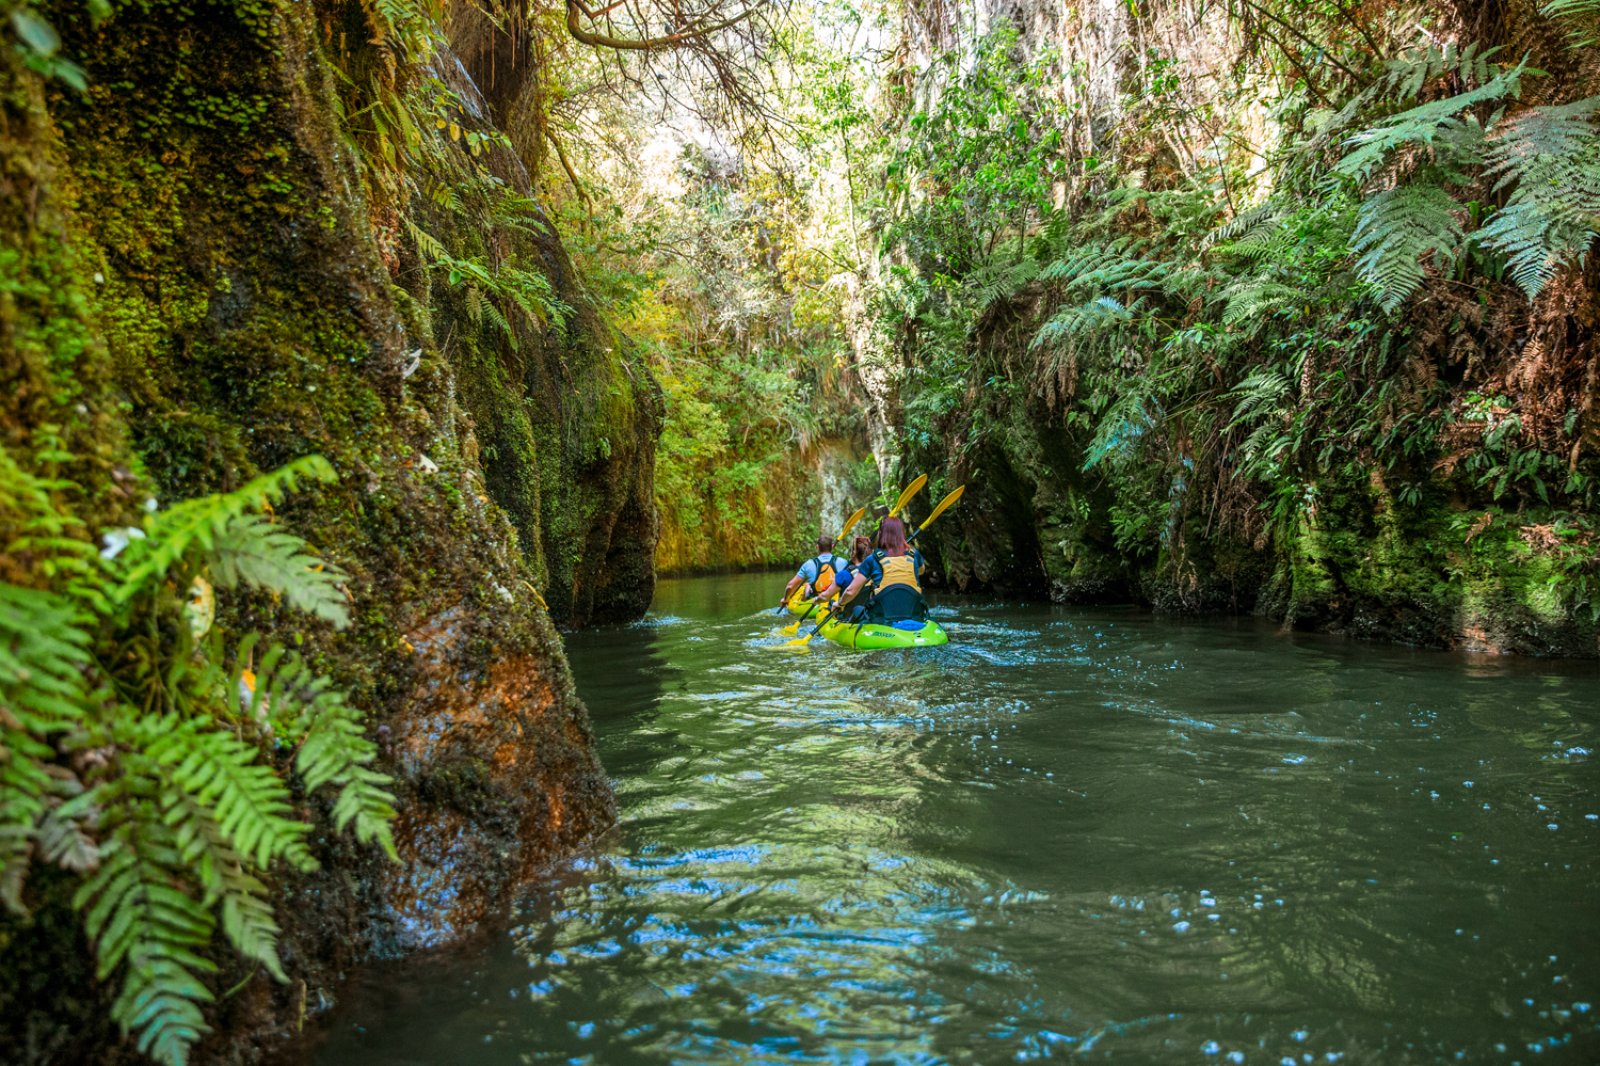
220	771
1551	158
195	525
251	550
137	919
1426	124
334	750
1395	229
1582	15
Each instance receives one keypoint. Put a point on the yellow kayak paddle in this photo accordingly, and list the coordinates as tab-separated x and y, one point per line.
905	497
944	505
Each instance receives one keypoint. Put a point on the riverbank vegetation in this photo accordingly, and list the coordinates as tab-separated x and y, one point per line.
1284	307
1300	314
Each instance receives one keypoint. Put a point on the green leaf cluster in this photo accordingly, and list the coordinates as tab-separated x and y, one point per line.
159	756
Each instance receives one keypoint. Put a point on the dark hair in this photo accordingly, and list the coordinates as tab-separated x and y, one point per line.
862	546
892	536
824	544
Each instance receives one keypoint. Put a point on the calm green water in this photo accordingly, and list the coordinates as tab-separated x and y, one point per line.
1068	833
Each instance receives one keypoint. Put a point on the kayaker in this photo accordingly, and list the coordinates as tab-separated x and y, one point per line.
859	549
816	572
886	587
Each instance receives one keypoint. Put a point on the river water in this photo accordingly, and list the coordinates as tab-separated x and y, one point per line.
1070	833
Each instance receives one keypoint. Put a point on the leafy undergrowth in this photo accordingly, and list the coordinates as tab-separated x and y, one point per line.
154	752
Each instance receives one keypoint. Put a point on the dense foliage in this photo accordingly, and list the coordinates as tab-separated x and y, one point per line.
1263	299
1296	297
717	246
157	752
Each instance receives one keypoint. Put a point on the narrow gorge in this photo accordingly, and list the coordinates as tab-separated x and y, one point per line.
358	356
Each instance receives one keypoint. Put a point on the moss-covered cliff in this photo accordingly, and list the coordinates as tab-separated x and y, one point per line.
1224	313
225	253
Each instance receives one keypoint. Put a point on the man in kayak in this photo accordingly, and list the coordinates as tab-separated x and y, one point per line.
887	586
847	570
816	572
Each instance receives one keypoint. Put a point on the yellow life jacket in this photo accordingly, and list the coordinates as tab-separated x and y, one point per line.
899	570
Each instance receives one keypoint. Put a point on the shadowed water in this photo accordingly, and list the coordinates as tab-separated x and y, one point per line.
1069	833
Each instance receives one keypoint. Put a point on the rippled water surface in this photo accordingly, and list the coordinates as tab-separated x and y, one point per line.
1068	833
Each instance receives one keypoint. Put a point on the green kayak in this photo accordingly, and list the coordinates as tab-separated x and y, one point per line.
870	636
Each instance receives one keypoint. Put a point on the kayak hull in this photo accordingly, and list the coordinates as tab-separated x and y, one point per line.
869	636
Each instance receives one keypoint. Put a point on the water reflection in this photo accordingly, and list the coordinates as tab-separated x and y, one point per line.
1065	833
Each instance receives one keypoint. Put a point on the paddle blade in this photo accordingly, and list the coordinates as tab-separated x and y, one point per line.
851	523
905	497
944	505
791	629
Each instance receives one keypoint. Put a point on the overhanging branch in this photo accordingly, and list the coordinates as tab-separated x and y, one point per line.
577	12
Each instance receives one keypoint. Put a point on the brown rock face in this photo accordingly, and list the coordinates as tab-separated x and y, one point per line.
205	277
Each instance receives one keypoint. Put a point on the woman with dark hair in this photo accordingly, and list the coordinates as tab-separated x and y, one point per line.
847	571
890	577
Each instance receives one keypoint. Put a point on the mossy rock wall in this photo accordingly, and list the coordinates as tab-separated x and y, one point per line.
190	286
1032	523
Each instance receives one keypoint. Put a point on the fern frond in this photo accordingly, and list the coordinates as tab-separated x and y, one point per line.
305	709
1254	296
430	246
497	318
24	788
251	550
250	803
1582	15
1260	219
1261	393
1119	431
247	918
195	525
44	651
1426	124
1395	229
135	917
1551	155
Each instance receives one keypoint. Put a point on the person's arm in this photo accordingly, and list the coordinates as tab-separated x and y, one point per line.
794	583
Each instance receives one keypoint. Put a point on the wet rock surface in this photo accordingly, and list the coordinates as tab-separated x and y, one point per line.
213	299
